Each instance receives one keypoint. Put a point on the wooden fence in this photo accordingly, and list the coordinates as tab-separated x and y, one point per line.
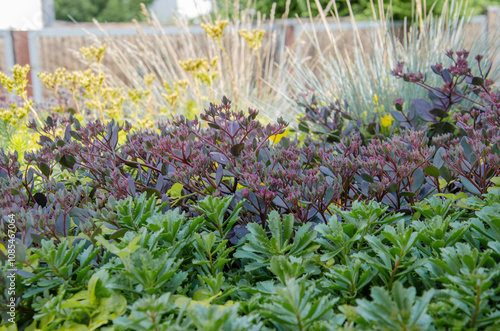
50	48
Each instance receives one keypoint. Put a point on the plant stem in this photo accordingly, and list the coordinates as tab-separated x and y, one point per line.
231	73
476	308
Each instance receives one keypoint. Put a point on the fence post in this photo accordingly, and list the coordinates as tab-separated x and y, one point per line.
35	65
8	50
289	35
22	54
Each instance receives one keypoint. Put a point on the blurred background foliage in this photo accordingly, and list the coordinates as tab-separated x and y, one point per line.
102	10
362	9
126	10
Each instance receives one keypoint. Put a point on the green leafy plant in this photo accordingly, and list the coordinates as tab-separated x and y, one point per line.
151	313
131	213
104	11
362	220
64	264
297	307
468	276
260	248
399	309
216	318
213	211
349	279
397	260
88	309
289	267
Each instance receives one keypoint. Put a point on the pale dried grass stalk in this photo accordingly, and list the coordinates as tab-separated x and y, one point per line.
160	54
364	75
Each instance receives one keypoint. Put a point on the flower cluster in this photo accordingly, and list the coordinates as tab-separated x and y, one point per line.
201	69
216	30
93	54
254	39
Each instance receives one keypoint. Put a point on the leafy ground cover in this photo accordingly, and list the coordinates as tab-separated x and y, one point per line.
365	268
225	220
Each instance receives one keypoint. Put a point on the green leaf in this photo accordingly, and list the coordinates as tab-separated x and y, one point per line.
478	81
304	127
469	186
176	190
44	168
237	149
432	171
495	180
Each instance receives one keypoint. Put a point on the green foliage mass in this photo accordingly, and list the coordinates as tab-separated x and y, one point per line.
102	10
164	270
362	9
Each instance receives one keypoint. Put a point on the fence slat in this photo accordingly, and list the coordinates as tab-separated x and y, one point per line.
8	49
35	65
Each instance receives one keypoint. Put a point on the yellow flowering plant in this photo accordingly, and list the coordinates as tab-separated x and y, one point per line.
387	120
254	41
216	31
17	85
14	112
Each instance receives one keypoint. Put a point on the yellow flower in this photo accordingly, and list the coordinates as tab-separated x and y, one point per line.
254	39
277	137
375	100
181	83
148	79
171	99
15	115
19	81
216	30
387	120
93	54
199	69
